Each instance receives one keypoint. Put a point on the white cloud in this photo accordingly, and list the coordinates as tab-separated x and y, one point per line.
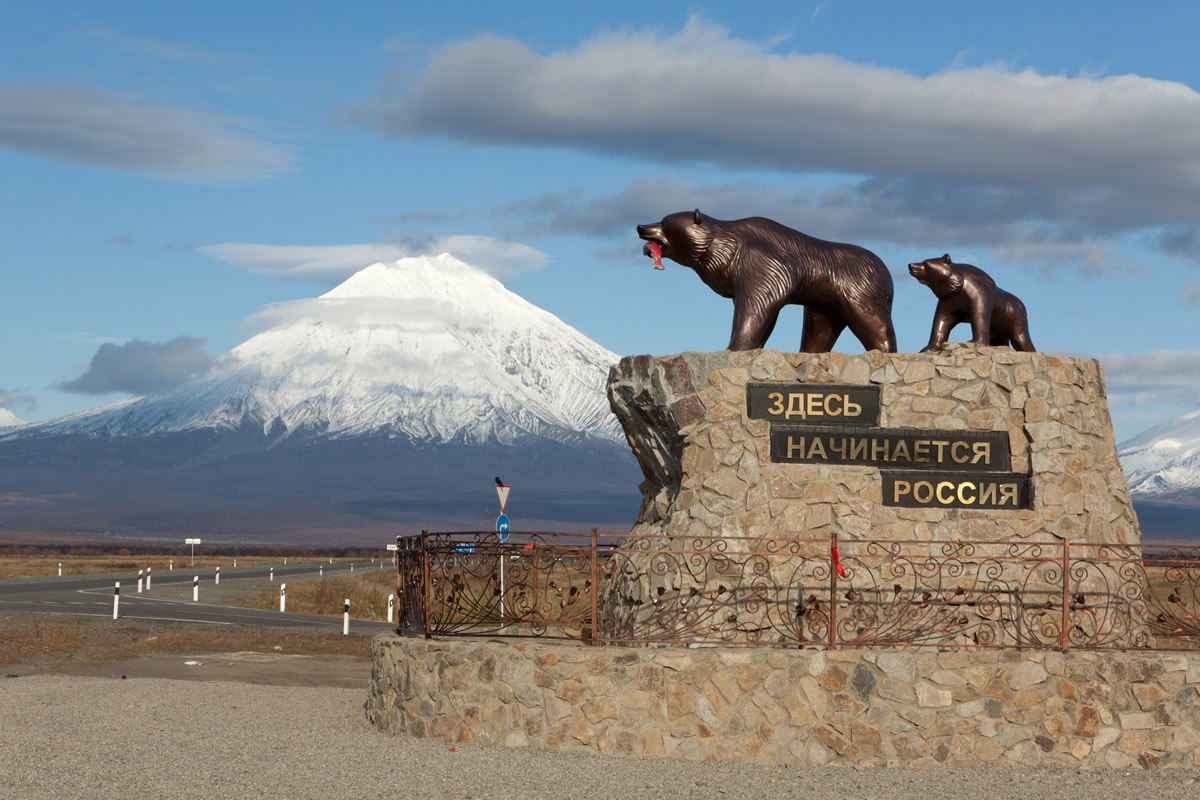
417	315
411	317
164	49
125	132
700	94
17	400
501	259
901	213
140	367
1058	166
1161	376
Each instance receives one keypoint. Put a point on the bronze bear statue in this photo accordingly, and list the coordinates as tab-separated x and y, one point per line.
764	266
968	294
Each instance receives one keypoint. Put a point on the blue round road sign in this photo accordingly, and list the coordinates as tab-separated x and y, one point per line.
502	527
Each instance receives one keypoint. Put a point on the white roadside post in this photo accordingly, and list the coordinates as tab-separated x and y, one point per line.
170	565
391	607
196	589
235	562
116	599
217	581
352	568
140	579
272	574
148	578
346	618
282	597
285	561
60	569
321	571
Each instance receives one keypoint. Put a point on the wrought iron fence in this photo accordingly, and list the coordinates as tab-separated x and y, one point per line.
797	592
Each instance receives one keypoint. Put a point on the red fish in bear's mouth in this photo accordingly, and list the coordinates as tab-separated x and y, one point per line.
654	250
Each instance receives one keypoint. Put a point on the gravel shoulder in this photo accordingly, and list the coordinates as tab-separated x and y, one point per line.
83	737
102	709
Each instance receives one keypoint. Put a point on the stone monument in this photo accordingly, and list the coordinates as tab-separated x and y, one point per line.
962	469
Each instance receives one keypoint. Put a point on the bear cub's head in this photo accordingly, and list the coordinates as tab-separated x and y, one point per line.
681	237
939	274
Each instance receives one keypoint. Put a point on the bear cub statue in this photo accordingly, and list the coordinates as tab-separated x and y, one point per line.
763	266
968	294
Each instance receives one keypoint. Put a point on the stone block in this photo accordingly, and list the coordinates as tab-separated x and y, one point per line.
930	696
1027	674
1104	737
896	689
901	666
1136	720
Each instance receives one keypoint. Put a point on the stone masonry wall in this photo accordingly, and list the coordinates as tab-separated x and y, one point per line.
710	477
1093	710
708	469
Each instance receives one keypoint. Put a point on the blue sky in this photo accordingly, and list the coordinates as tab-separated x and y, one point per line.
169	170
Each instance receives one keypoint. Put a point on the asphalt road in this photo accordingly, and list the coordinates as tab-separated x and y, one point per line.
169	597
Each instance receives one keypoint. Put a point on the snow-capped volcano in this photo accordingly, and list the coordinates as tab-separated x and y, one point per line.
388	404
9	419
427	348
1164	460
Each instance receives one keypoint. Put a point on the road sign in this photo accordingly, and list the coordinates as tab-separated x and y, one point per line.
393	547
193	543
502	496
502	527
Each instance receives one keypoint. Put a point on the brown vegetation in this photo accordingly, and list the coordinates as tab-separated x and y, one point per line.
55	641
367	591
42	560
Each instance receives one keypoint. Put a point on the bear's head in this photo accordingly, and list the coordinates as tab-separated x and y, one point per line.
939	274
682	237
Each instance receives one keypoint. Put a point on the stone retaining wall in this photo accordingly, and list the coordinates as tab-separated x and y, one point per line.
796	707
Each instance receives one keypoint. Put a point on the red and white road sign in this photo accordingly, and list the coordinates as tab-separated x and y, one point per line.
502	496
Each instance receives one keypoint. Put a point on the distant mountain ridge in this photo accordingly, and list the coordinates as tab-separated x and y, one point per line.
429	348
393	399
1164	461
1162	466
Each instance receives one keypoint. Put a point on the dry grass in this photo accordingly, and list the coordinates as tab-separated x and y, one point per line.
367	591
52	640
36	566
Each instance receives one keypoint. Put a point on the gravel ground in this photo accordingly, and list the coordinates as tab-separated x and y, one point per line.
79	737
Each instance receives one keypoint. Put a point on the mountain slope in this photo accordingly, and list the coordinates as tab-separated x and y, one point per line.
9	419
430	348
393	399
1163	469
1164	460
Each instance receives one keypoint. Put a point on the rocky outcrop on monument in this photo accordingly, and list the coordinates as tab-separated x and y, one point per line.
976	459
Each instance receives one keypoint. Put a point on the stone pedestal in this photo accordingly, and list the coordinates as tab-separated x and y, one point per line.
715	486
853	707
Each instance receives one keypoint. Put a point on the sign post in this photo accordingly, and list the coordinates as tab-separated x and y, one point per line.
193	543
503	526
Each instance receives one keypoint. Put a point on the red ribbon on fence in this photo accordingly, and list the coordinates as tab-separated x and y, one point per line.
837	562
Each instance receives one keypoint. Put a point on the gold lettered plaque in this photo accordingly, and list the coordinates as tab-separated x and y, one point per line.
813	403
